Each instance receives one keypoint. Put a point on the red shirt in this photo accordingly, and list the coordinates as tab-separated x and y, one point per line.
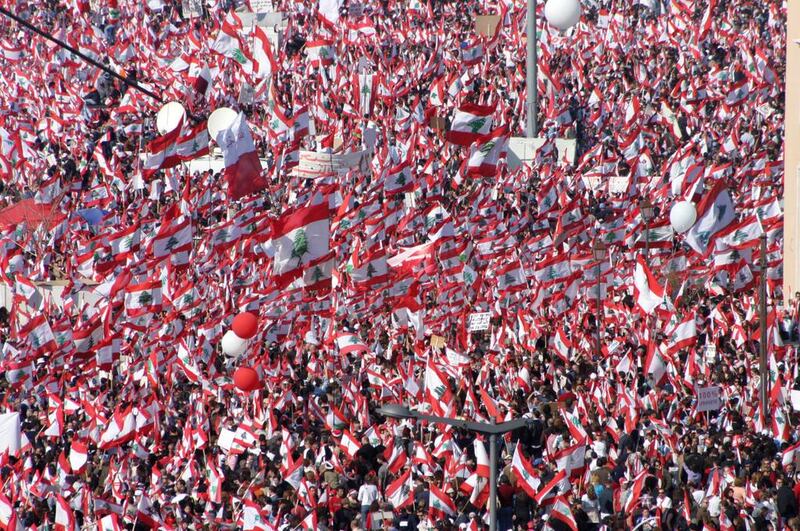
334	504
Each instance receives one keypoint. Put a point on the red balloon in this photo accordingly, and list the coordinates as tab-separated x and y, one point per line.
246	379
245	325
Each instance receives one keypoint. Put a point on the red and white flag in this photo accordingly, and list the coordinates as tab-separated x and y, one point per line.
263	58
714	212
299	237
527	477
400	492
65	520
649	295
242	166
487	153
470	122
441	502
78	455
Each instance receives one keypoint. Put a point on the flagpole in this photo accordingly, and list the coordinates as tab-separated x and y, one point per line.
762	344
493	473
74	51
531	73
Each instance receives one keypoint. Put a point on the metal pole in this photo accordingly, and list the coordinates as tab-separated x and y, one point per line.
762	344
599	348
86	58
647	242
492	482
531	73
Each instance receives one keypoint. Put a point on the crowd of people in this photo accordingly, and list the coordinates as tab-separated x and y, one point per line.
472	290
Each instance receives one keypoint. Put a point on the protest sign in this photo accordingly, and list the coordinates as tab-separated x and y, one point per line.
709	398
478	322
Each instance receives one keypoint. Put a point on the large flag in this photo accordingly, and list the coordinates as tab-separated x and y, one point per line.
400	492
262	54
487	153
527	476
179	145
470	122
229	44
714	213
648	293
560	516
242	167
299	237
439	501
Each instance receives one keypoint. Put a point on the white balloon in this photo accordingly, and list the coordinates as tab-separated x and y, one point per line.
220	119
169	116
562	14
682	216
233	345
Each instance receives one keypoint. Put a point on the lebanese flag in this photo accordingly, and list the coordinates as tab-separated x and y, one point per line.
320	52
572	459
121	429
437	390
738	93
146	514
575	427
441	502
10	52
199	78
787	458
263	58
349	444
398	180
364	88
470	122
347	343
472	54
299	237
229	44
109	522
65	520
714	212
143	298
683	335
636	491
550	490
409	257
481	459
160	150
649	295
527	476
400	492
562	345
560	515
242	167
39	334
487	153
742	235
78	455
26	292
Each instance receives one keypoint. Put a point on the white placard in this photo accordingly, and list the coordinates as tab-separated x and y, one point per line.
10	433
709	398
192	8
795	397
476	322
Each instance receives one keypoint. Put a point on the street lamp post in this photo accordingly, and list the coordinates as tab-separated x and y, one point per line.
532	73
648	213
599	252
762	317
561	14
399	411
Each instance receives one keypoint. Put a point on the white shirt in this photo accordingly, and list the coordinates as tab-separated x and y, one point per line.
367	494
